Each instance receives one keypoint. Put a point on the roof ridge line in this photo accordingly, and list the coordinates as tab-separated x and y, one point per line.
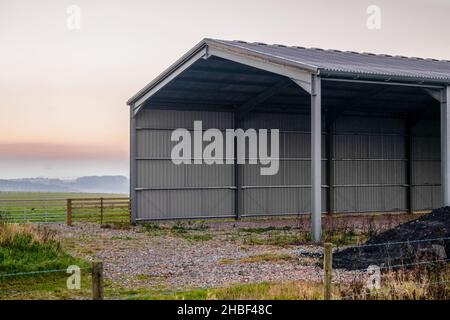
398	56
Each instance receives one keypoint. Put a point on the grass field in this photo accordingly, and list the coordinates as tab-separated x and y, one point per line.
46	207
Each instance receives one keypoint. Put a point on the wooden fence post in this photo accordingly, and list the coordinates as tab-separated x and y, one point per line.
69	212
97	280
327	271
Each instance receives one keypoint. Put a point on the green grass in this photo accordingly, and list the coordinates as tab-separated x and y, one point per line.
25	249
257	291
27	254
398	285
264	229
23	255
265	257
122	238
344	238
44	211
47	286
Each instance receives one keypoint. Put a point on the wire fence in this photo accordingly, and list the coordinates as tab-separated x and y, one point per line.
33	210
29	273
391	243
96	210
70	283
420	277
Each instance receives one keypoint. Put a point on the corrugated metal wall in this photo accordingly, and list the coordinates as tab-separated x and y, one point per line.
369	161
370	164
287	192
166	190
426	165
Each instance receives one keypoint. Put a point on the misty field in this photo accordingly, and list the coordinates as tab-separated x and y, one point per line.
9	195
46	207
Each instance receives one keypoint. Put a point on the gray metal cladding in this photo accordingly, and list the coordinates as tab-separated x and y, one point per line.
273	201
163	173
426	165
359	146
172	119
369	172
426	172
426	197
166	190
369	162
288	191
282	121
369	125
174	204
370	199
291	172
154	143
426	148
297	144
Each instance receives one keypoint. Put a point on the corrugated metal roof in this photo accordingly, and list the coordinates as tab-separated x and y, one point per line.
348	61
332	63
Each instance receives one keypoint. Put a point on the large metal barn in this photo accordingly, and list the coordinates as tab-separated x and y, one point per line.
358	133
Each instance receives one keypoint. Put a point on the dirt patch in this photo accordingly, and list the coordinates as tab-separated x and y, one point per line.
405	244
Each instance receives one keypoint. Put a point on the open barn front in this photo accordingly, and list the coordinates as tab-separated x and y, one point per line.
312	143
376	158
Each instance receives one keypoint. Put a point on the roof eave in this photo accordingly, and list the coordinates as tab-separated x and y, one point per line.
205	44
172	68
383	78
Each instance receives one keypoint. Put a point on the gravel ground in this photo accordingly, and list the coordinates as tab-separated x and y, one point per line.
136	258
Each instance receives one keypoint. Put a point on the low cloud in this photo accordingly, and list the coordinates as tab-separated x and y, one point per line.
48	151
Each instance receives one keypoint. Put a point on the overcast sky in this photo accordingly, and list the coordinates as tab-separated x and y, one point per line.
63	91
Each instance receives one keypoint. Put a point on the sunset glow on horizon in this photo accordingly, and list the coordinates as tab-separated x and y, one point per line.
63	92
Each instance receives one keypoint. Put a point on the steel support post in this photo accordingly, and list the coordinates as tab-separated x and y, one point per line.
316	159
330	164
133	184
445	146
237	180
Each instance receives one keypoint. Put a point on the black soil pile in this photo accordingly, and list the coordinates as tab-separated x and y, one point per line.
406	244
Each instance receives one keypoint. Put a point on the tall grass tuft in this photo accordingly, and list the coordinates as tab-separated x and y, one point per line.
24	248
421	283
10	232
